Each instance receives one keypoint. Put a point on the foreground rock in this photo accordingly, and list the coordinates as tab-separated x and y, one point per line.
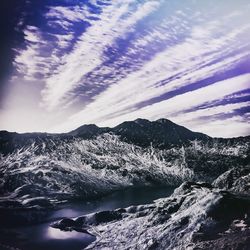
196	216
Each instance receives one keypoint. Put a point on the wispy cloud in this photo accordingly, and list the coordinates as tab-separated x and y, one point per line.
175	108
178	66
115	21
107	62
69	14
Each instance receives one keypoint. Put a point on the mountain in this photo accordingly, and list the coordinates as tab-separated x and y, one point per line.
11	141
88	131
160	134
195	216
41	171
92	161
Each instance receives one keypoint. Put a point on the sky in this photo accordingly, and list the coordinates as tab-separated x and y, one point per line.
65	63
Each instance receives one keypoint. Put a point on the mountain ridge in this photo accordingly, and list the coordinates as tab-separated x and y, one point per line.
161	133
108	129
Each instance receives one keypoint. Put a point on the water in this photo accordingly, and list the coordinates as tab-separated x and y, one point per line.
41	236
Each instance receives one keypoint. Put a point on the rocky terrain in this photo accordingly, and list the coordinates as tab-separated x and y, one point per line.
196	216
210	210
45	169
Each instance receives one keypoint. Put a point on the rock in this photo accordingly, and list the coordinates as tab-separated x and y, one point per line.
65	223
37	201
107	216
201	217
236	180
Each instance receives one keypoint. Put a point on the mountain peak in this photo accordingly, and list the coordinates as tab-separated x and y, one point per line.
87	131
140	120
159	133
164	120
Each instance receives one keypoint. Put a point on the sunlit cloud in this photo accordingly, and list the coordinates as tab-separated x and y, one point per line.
105	62
114	22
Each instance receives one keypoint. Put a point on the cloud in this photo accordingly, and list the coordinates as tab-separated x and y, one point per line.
185	116
29	62
115	21
69	14
173	108
44	48
180	65
105	62
227	128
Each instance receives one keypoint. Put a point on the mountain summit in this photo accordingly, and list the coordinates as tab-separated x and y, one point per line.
160	133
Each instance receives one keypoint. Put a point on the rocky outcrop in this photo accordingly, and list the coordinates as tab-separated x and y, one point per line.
236	180
196	216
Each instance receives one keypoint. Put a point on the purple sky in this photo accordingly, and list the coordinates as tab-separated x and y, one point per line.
74	62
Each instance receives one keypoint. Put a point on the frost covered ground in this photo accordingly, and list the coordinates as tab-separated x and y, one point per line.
53	171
